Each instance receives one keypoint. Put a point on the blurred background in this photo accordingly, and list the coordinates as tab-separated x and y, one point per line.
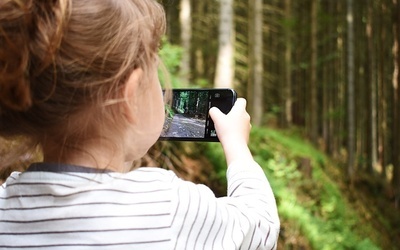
322	82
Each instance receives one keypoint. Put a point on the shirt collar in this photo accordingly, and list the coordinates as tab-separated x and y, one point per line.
60	167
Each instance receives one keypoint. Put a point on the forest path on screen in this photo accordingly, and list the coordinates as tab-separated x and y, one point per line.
182	126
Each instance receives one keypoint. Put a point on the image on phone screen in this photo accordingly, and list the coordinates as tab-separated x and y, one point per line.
187	115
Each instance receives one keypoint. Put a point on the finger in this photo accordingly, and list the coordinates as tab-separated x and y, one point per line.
242	101
240	105
215	113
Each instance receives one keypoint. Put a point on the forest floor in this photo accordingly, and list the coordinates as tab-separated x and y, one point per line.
378	219
361	215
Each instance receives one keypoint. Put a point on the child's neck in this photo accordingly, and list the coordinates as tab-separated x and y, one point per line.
96	154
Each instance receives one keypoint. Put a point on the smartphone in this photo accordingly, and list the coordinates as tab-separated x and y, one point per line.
187	117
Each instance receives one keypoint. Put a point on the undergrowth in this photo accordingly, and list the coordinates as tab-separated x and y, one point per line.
308	197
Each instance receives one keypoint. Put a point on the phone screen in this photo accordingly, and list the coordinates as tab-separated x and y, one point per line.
187	117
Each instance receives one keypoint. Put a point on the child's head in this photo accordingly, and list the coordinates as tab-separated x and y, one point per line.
64	65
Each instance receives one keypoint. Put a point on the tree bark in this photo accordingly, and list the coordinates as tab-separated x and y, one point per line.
225	62
350	93
396	113
372	133
185	18
287	90
256	51
383	110
313	80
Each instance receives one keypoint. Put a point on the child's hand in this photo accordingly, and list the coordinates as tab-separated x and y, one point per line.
233	130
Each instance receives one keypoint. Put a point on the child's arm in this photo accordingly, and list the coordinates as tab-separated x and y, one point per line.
248	188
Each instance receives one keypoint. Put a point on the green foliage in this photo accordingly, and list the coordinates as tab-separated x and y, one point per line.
170	56
215	154
202	83
314	204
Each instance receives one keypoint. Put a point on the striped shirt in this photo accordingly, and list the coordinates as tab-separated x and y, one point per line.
69	207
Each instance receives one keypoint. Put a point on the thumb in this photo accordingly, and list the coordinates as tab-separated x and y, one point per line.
215	113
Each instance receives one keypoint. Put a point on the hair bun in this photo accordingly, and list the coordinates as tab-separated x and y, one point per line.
30	34
15	22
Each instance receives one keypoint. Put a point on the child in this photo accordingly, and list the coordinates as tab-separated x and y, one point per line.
79	80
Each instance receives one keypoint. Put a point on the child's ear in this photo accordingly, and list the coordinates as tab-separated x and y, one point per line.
130	91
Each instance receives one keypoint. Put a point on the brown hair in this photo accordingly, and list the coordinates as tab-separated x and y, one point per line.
62	60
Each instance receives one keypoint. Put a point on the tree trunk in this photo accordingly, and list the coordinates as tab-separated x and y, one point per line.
396	118
372	133
313	81
383	131
198	64
331	72
250	63
185	18
224	74
287	89
361	87
350	93
329	84
256	52
339	104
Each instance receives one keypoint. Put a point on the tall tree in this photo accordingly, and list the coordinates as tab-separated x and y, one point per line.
338	94
350	92
224	74
287	90
396	113
383	53
329	83
372	133
256	64
361	85
313	81
185	18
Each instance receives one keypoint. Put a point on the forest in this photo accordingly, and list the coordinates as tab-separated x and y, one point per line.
321	75
322	83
